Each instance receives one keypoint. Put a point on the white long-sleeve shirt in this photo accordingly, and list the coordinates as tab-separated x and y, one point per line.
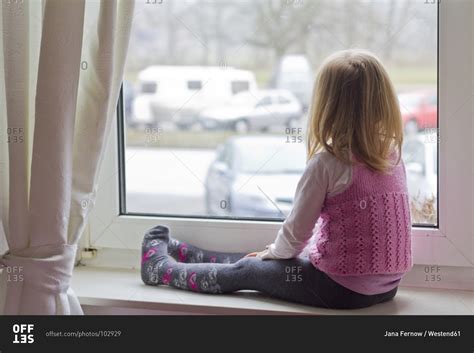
323	177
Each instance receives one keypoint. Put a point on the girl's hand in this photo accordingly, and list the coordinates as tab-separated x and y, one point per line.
259	254
255	254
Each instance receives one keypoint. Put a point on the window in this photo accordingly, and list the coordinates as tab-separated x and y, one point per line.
240	86
169	172
265	101
194	85
193	124
283	100
148	88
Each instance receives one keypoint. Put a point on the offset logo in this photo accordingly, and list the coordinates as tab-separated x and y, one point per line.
23	333
294	273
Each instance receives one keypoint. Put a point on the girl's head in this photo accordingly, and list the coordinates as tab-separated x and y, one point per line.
355	111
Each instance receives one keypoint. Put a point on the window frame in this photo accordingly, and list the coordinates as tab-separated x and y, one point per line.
450	244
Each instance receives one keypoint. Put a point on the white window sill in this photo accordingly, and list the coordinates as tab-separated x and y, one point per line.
118	291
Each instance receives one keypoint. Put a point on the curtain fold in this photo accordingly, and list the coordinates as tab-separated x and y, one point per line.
16	75
74	110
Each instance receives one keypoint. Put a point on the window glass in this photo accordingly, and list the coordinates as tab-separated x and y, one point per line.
148	87
240	86
265	101
179	130
194	85
283	100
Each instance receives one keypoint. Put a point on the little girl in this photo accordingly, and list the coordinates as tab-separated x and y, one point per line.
353	187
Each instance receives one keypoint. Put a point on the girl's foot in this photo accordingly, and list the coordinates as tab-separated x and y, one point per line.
155	255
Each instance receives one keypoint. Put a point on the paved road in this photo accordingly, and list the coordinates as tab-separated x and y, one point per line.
167	181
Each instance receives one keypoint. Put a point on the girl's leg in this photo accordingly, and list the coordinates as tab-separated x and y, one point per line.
293	280
185	252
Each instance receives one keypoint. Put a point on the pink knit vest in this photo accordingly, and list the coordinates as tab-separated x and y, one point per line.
366	228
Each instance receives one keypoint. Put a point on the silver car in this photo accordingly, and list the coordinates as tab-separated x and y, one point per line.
254	176
254	111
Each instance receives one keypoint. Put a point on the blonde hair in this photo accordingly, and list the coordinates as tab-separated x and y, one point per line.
355	111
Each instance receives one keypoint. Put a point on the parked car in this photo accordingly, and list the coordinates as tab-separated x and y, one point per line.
176	94
257	110
254	176
419	110
420	157
294	73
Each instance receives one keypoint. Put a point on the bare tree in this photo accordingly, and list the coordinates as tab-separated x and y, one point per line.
397	18
171	32
282	25
351	13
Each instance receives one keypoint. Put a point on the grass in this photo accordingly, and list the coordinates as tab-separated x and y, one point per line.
419	75
176	139
156	138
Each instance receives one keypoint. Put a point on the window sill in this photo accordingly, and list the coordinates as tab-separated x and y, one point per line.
114	291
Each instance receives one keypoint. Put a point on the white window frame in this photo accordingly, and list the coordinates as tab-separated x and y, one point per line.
449	245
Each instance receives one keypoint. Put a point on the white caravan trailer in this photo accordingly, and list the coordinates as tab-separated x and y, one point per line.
178	93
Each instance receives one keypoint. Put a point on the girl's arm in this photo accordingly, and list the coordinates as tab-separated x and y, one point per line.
298	227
